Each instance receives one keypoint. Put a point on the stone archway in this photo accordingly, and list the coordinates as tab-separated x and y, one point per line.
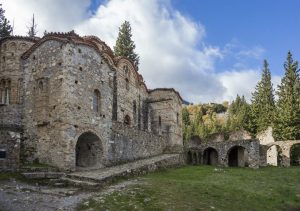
189	157
88	150
237	157
210	156
295	155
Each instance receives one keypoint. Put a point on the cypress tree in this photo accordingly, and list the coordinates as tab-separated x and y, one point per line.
32	29
263	104
287	120
124	44
5	27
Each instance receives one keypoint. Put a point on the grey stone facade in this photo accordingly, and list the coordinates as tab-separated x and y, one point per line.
79	106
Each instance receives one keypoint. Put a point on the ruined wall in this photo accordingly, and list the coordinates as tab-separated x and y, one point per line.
12	92
251	151
128	144
267	156
166	116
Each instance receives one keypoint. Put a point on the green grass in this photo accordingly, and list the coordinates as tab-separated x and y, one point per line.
10	175
207	188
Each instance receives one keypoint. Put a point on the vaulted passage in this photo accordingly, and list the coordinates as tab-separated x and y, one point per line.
88	150
237	157
210	156
295	155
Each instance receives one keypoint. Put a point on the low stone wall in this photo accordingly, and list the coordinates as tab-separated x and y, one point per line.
9	149
128	144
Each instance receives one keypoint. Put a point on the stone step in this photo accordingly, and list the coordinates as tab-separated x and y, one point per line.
43	175
38	169
79	183
140	167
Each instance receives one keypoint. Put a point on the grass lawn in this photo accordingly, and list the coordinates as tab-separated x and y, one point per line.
207	188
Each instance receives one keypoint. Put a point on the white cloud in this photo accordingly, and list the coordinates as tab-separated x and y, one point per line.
50	15
240	82
171	46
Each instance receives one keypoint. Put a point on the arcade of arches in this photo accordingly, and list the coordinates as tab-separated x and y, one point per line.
244	153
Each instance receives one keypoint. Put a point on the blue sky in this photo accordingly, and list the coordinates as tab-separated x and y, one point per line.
208	50
274	25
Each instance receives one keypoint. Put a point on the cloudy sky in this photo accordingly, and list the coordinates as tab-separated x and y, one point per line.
209	50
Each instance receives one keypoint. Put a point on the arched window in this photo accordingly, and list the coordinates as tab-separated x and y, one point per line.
41	87
20	81
2	91
134	111
159	121
127	83
96	100
127	120
5	87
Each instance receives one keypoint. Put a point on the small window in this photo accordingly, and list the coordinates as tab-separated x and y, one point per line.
159	121
127	120
96	100
177	118
5	91
41	87
127	83
79	50
2	153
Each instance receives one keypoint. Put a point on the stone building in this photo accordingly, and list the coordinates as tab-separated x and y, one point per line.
67	101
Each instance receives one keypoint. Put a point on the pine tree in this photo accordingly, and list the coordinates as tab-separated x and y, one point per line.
238	114
124	44
287	120
263	104
32	28
5	27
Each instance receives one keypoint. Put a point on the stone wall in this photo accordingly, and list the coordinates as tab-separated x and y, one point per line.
63	108
128	144
65	93
131	95
166	116
9	149
250	147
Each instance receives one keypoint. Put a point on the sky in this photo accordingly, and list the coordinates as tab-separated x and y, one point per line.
208	50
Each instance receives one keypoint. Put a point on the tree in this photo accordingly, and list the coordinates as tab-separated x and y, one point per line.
238	114
124	44
263	104
5	27
32	28
287	119
185	116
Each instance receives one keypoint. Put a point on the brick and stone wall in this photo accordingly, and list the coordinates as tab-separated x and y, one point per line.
128	144
166	115
10	140
67	91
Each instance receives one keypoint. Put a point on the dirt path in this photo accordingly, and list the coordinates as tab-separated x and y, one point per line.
17	196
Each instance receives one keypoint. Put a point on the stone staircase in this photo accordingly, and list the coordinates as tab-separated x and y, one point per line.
100	177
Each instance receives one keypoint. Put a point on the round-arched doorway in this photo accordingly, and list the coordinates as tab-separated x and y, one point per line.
237	157
210	156
295	155
88	150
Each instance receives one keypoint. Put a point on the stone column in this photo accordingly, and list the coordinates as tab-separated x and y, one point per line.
285	156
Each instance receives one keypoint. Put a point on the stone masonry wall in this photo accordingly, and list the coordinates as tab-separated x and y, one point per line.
166	107
131	95
128	144
64	109
9	149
